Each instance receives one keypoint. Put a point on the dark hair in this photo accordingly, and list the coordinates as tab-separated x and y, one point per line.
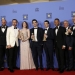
46	21
56	19
26	24
34	20
15	20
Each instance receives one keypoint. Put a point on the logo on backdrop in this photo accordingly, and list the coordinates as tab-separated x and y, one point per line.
36	9
48	15
61	8
73	13
14	11
25	17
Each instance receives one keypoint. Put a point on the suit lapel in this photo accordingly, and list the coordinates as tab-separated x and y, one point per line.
37	32
58	30
47	31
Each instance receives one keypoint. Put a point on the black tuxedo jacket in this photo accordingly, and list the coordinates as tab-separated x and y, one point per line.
59	39
39	34
50	35
69	40
3	36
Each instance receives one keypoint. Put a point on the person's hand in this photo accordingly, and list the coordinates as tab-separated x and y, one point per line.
8	46
45	35
70	48
63	47
32	36
69	30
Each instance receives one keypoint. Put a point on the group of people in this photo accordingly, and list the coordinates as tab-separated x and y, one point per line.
60	40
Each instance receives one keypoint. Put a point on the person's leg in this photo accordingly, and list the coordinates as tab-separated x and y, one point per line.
15	57
11	55
40	50
2	54
35	55
70	54
47	56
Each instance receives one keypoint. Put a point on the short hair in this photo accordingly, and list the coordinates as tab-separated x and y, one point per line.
15	20
57	19
46	21
65	21
3	19
34	20
26	24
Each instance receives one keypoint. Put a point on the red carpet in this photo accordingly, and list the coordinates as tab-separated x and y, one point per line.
34	72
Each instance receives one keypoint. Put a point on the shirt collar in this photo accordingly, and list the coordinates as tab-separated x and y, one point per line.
47	28
67	27
58	26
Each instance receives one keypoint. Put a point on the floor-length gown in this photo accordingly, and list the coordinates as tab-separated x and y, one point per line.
26	60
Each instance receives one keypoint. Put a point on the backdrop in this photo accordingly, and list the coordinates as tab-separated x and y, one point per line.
64	10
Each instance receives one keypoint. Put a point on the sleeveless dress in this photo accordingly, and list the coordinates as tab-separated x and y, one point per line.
26	59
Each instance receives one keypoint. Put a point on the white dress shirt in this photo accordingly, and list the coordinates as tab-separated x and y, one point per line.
46	30
3	29
67	28
35	34
56	30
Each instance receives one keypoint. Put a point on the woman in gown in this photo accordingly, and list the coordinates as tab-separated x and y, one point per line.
26	60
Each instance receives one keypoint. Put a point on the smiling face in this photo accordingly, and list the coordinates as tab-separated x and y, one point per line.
3	22
56	22
66	24
46	24
35	24
24	25
14	22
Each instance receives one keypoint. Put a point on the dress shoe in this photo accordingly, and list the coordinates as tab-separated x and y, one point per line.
66	69
61	71
52	69
37	69
70	69
8	68
1	69
11	70
47	69
42	69
16	68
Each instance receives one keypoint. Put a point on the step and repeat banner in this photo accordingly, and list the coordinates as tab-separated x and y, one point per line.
64	10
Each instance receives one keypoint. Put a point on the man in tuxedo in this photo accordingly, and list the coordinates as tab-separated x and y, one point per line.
48	45
68	50
12	45
72	31
59	33
3	30
36	35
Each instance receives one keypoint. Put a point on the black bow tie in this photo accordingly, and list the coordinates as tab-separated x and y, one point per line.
45	29
35	28
15	27
56	27
3	26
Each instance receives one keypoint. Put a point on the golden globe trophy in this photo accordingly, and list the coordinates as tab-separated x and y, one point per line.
44	38
22	36
33	39
67	33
